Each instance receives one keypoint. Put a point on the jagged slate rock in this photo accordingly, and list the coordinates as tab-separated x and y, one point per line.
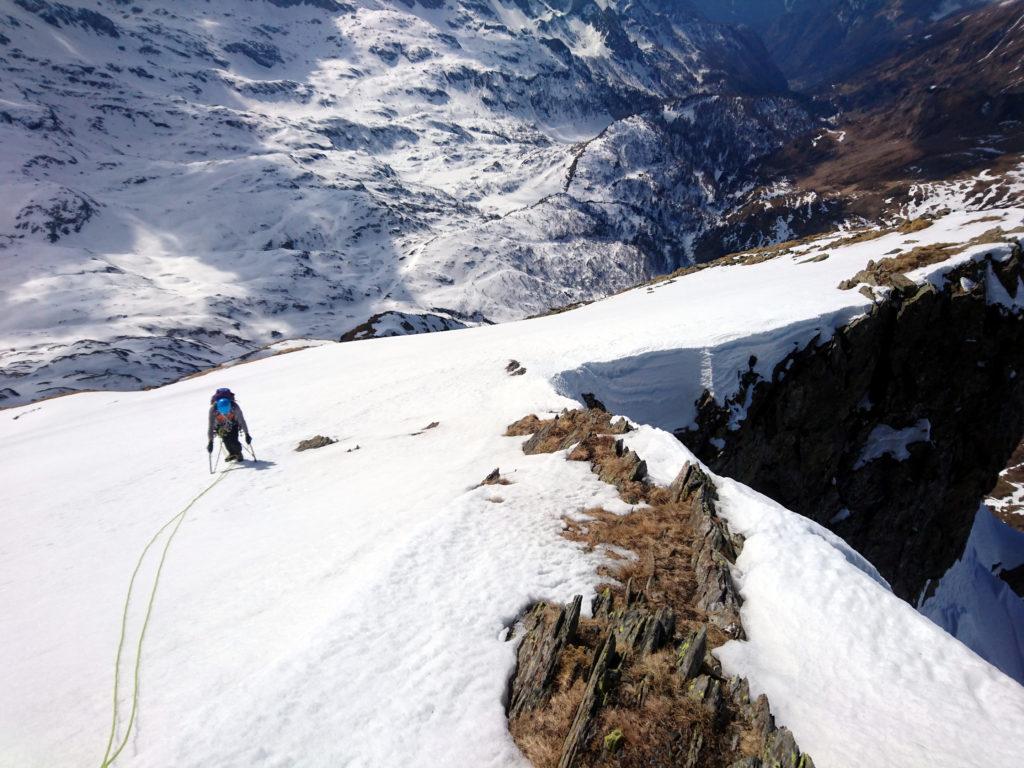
717	591
713	534
704	566
761	718
631	595
695	749
620	427
493	477
602	604
319	441
678	487
806	761
739	692
513	365
537	658
635	470
659	631
640	630
915	499
713	666
630	630
532	445
641	696
781	751
731	741
706	690
747	762
592	402
705	497
598	684
691	653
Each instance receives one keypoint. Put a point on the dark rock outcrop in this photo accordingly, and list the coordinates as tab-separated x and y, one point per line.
939	366
546	637
315	442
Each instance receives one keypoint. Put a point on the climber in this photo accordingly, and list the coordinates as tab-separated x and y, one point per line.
226	420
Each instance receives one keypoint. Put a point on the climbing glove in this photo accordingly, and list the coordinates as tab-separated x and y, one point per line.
209	447
248	439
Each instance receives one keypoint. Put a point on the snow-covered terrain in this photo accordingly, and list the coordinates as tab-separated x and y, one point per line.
185	183
351	605
974	605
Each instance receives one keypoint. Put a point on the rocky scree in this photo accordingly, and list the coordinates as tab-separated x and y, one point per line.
636	684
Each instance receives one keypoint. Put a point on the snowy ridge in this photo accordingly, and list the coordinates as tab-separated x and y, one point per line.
308	603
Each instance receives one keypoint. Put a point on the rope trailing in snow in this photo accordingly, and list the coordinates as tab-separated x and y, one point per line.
174	524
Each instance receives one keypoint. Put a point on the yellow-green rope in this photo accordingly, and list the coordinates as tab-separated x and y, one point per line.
110	756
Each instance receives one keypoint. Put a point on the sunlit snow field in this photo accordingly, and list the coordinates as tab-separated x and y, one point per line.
347	607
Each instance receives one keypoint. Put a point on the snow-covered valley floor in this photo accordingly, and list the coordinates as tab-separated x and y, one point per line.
347	607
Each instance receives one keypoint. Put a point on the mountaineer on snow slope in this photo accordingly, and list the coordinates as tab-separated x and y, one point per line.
225	420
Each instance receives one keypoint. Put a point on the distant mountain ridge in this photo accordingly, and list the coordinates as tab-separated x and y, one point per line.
185	185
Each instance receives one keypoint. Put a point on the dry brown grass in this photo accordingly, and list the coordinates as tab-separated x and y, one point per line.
649	701
888	270
649	705
527	425
913	225
602	452
868	234
661	537
884	272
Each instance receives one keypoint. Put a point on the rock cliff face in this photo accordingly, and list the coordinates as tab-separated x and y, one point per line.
893	431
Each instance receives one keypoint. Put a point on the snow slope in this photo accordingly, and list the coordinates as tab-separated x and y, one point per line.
974	605
350	607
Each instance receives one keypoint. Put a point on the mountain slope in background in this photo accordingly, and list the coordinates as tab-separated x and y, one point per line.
816	43
947	106
185	184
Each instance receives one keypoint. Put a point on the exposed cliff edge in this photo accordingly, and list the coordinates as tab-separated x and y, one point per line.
892	431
